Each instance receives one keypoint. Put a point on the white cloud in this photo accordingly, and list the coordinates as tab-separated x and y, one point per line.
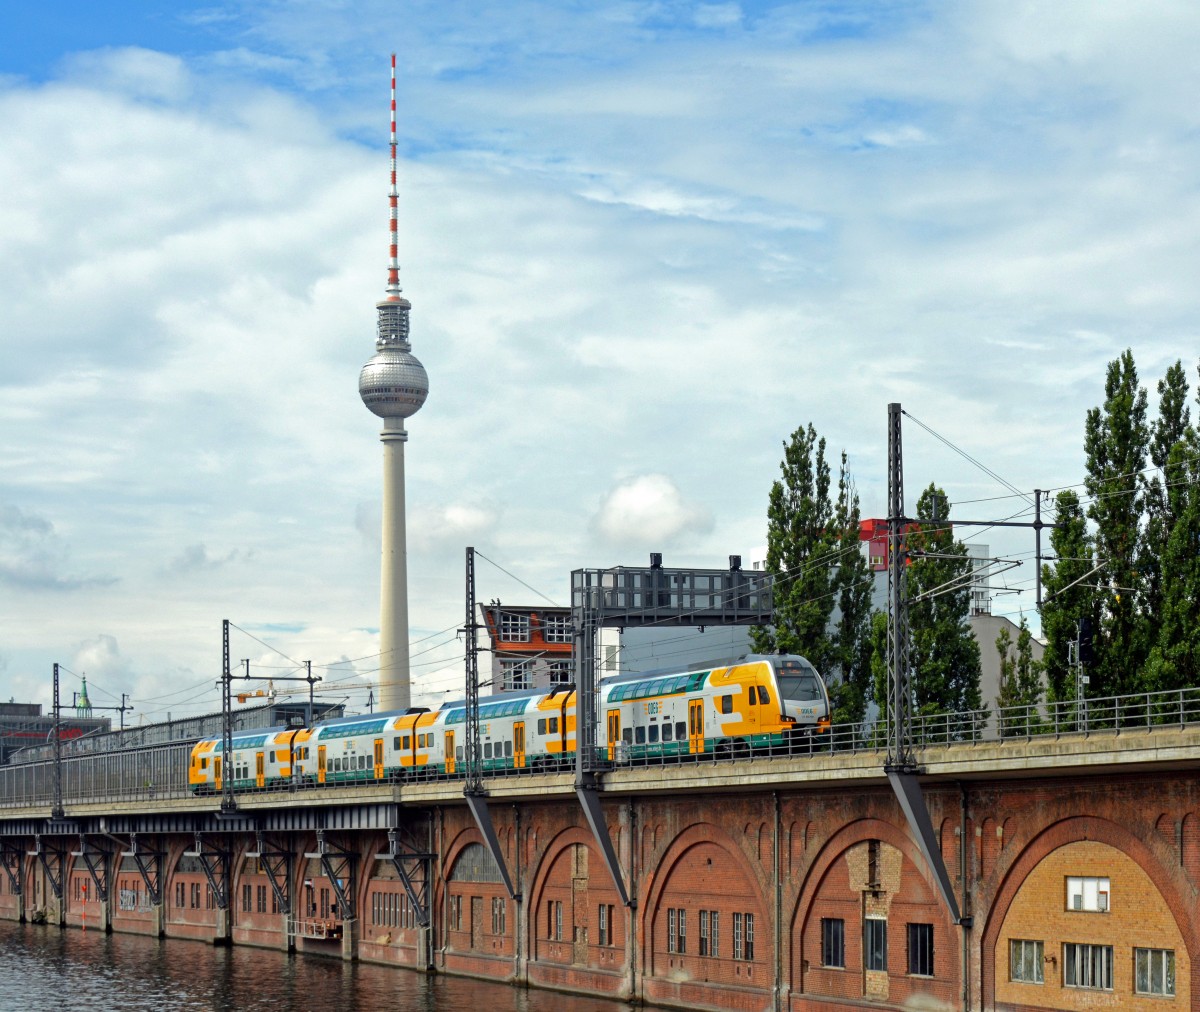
648	511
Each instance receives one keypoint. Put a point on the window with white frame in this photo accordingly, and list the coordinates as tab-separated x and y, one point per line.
606	924
514	627
1154	971
1025	961
560	672
1088	966
743	936
516	675
676	930
499	915
557	628
1087	893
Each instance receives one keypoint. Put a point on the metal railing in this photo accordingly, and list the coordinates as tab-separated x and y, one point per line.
160	772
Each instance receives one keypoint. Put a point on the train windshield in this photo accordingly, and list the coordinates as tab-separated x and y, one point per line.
798	680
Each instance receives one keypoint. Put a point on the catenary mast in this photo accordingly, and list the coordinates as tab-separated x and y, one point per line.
393	385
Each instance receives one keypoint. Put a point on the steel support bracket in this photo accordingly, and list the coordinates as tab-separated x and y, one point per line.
586	790
96	859
215	859
415	874
908	792
13	860
278	864
340	866
51	855
477	802
149	866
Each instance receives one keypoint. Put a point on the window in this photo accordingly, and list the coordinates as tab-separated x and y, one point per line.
920	950
743	936
454	913
653	734
513	627
1025	961
541	725
833	942
726	704
560	672
487	750
639	735
763	695
667	730
606	924
676	930
558	920
875	944
1154	971
704	928
515	675
499	915
1087	894
714	942
557	629
749	950
1087	966
872	864
680	730
260	898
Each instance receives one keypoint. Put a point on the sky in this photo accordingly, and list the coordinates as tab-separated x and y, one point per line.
644	242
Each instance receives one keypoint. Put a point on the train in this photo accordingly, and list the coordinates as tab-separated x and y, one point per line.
759	701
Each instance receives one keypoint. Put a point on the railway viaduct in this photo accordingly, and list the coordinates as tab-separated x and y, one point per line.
789	883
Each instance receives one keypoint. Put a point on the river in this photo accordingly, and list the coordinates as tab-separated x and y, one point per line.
44	968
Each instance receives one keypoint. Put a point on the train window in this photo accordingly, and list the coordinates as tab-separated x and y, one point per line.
763	695
541	727
667	730
408	741
508	749
680	730
396	743
653	733
487	750
422	741
627	736
727	704
554	725
328	765
458	753
639	735
204	764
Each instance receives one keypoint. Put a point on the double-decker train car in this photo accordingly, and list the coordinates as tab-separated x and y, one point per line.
758	701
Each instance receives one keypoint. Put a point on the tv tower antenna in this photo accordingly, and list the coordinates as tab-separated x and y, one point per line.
393	385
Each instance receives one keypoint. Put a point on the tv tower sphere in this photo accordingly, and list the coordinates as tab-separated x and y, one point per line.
393	383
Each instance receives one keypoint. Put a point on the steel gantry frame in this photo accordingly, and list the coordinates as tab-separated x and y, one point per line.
95	858
650	596
277	861
216	859
341	868
149	865
12	858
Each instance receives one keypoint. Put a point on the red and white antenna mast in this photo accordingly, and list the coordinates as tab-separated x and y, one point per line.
393	285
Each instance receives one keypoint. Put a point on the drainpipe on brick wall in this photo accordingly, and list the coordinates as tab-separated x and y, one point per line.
518	927
775	859
632	942
966	910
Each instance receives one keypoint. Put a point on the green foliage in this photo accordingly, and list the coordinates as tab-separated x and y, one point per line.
1116	440
813	553
1067	593
1020	682
943	654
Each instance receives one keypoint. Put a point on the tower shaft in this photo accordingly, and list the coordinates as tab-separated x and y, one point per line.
395	688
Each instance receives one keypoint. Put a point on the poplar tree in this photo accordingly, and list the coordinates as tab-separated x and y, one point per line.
1020	681
1116	438
852	632
1068	594
1168	430
943	653
801	546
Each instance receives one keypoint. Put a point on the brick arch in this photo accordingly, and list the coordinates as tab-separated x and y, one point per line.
1083	829
568	837
848	836
686	840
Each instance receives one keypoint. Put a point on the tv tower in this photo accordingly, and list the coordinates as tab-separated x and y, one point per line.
393	385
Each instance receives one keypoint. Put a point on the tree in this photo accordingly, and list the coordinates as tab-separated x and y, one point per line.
1069	596
1175	657
801	547
1020	682
943	654
1116	438
853	582
1168	431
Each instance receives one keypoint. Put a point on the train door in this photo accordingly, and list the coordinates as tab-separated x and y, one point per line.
378	758
217	772
320	764
614	733
450	760
695	726
260	773
519	745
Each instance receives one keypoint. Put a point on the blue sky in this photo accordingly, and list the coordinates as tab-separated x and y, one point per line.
644	241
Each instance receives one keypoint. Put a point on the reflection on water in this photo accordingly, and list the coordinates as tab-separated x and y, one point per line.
44	968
